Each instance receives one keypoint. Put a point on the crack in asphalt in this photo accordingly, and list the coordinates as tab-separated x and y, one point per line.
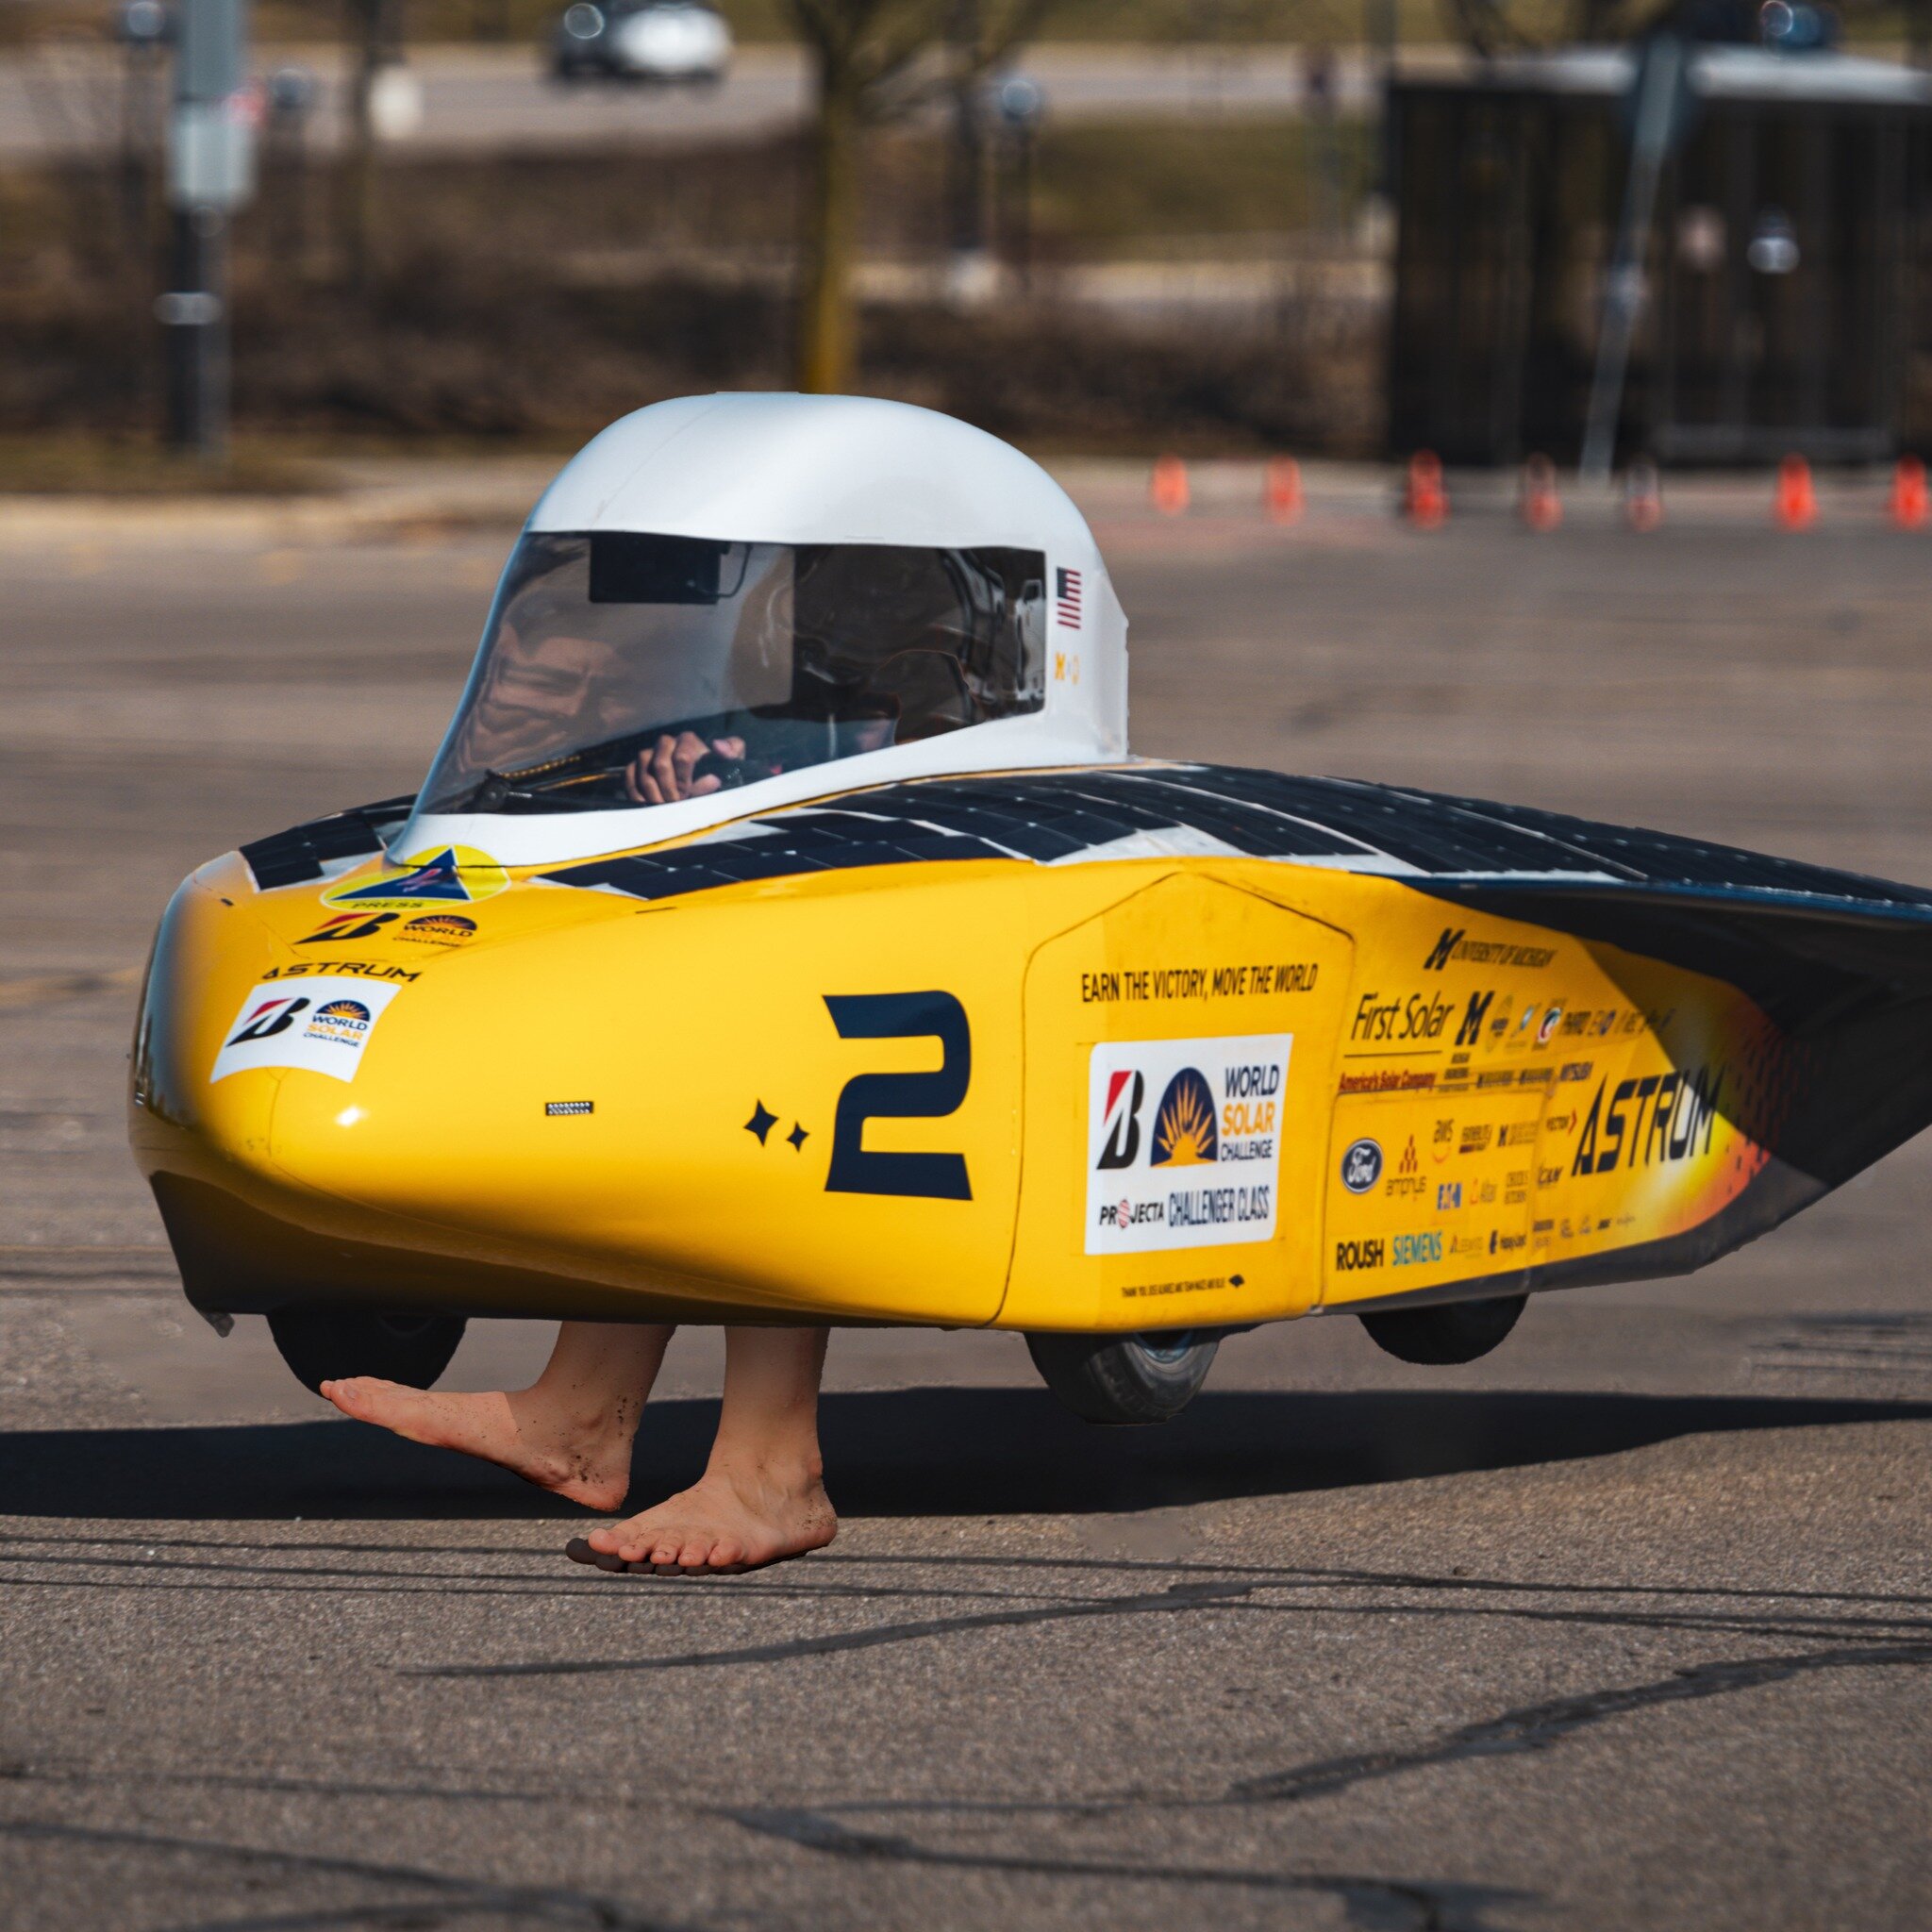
572	1582
1311	1576
20	1770
1537	1726
1534	1728
548	1905
1233	1596
1375	1904
1181	1596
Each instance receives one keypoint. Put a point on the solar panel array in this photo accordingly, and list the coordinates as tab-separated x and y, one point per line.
288	859
1338	822
1046	816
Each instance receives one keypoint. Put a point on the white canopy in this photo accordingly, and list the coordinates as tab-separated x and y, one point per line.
831	470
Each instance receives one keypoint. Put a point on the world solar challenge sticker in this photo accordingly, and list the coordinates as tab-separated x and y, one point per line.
1184	1141
322	1023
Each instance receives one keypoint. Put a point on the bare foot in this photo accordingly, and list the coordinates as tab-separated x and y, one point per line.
588	1460
725	1522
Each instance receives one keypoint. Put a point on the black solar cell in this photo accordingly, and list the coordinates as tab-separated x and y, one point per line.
1043	816
288	859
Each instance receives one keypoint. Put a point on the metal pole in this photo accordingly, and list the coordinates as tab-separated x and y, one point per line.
196	317
1657	102
211	172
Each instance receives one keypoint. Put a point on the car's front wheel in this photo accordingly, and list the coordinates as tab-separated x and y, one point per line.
1446	1332
331	1344
1125	1378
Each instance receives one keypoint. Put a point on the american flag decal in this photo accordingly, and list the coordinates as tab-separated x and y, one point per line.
1067	598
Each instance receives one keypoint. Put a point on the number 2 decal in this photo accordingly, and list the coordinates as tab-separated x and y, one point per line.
859	1170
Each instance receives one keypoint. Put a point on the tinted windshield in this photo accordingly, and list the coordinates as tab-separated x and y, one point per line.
624	669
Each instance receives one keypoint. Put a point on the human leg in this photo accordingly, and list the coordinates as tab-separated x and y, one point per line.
762	1496
569	1431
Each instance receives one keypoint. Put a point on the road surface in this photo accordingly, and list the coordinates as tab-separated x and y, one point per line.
60	98
1628	1624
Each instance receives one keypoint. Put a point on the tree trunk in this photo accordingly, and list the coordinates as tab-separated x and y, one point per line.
827	327
356	179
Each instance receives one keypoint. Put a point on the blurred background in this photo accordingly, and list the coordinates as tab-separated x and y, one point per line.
1587	229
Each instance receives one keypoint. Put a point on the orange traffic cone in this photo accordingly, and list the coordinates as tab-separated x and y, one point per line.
1168	487
1644	495
1795	507
1281	491
1426	502
1909	507
1537	502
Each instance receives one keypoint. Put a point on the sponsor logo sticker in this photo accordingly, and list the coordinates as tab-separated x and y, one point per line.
1184	1141
1361	1166
322	1027
1407	1179
348	925
438	929
436	877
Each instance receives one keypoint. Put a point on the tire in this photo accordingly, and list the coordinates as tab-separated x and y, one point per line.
1124	1378
328	1344
1448	1332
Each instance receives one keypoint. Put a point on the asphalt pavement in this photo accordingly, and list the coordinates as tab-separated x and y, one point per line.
62	98
1628	1624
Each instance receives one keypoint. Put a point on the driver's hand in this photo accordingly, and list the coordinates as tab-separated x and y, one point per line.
663	775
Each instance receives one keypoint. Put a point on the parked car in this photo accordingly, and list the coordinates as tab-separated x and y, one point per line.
659	39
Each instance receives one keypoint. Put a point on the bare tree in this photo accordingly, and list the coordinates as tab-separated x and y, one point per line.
873	60
374	32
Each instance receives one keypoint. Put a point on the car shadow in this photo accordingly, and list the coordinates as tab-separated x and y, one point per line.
928	1452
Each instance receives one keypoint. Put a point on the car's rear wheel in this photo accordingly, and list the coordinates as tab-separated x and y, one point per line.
1446	1332
1125	1378
331	1344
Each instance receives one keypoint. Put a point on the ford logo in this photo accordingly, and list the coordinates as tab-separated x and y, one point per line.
1361	1167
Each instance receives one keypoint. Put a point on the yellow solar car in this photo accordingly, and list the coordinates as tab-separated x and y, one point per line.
784	933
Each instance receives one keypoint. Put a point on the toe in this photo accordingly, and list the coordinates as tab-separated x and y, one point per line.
695	1553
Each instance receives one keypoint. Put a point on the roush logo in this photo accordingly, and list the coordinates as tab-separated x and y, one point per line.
1352	1256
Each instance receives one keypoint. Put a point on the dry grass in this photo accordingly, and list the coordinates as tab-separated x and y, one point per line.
539	297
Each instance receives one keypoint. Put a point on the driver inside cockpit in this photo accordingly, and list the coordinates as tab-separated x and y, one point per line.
626	669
